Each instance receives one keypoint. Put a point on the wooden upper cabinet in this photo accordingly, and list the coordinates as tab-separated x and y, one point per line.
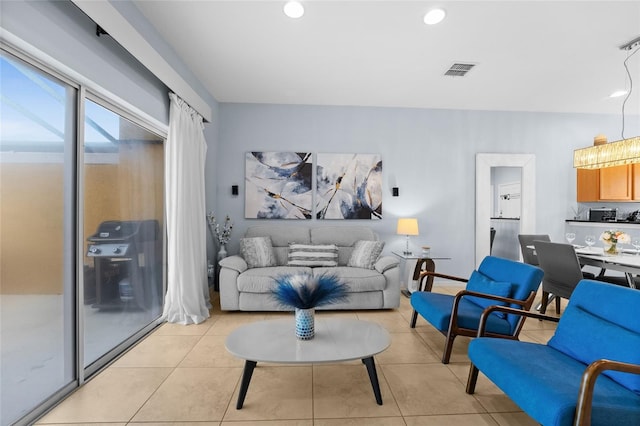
616	183
588	185
636	181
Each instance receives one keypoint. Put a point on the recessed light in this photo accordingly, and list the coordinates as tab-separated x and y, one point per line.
293	9
618	93
434	16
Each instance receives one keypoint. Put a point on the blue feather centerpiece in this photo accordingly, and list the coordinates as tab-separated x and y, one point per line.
304	291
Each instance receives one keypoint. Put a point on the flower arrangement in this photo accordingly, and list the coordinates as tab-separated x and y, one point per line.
304	291
222	233
612	238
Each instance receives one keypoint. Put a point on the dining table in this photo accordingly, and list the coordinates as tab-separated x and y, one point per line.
627	261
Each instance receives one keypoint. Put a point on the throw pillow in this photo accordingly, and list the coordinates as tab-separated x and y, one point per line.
587	338
365	254
312	255
480	283
257	252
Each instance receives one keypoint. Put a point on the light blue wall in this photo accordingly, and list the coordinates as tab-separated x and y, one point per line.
429	154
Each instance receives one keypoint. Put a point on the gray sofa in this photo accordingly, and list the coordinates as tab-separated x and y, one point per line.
248	289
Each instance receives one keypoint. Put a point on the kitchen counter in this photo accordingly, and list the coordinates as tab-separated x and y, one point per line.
606	224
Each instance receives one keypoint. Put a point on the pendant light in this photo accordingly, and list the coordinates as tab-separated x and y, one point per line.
624	151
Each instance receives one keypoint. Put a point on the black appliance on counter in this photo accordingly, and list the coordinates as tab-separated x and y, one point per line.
128	263
602	214
634	216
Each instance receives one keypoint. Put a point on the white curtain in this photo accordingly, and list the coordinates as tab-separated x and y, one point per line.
187	299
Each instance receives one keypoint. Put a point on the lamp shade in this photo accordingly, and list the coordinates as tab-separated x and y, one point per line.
407	226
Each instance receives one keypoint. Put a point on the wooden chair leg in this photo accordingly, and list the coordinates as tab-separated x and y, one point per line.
414	318
558	305
448	347
543	303
473	378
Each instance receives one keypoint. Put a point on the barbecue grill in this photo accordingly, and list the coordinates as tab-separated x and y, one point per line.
127	257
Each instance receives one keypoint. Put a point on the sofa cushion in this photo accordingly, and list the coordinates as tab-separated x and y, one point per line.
257	252
281	236
282	255
263	280
587	338
313	255
357	279
342	236
480	283
365	254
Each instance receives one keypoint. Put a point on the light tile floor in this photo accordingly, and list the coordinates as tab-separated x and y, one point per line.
182	375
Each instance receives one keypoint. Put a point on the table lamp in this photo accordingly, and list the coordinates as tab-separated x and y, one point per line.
407	226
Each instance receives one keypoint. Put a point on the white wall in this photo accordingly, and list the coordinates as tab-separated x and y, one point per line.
429	154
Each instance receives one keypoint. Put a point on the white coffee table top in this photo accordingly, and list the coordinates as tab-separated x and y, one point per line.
336	339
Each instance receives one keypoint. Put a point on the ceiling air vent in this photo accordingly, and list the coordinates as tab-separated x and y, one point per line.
459	70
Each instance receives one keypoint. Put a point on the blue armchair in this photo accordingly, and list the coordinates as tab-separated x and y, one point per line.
589	371
497	281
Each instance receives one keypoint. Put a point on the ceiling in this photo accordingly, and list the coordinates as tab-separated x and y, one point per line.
552	56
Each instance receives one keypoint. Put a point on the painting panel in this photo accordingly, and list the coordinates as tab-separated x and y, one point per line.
278	185
349	186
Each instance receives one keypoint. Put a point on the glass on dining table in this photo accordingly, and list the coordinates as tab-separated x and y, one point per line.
590	240
570	236
636	244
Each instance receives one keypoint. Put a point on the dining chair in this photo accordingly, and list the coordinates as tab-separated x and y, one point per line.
497	281
526	246
562	271
529	256
492	237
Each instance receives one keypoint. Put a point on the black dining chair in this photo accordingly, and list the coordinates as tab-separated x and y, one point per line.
562	271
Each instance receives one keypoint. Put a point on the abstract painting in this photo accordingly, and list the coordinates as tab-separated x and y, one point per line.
349	186
278	185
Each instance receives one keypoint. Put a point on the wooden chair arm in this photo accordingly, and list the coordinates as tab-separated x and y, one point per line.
453	322
589	377
436	274
509	310
491	296
425	279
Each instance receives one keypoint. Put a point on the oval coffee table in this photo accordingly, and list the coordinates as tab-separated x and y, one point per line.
336	339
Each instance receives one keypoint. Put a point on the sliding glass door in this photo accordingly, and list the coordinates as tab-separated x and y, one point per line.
37	256
81	235
123	220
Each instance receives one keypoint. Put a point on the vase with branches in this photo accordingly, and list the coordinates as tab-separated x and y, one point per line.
221	233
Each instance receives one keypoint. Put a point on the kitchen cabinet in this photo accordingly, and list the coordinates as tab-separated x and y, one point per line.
616	183
636	181
619	183
588	185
